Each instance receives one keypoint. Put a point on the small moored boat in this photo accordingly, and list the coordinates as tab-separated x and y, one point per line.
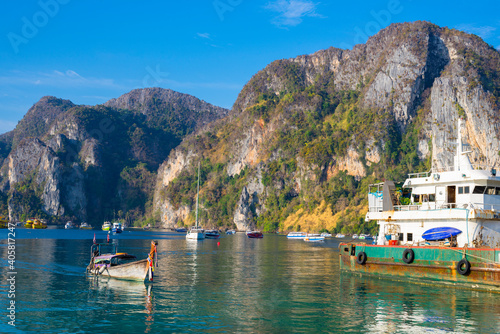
106	226
117	227
85	226
35	224
296	235
4	222
255	234
70	226
212	234
121	265
230	232
314	238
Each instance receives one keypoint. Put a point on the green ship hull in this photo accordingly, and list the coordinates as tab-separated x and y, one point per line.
472	268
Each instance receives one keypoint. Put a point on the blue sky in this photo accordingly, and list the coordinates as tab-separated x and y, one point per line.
92	51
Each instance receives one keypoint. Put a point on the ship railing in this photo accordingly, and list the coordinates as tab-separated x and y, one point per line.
483	206
492	168
375	209
417	175
413	207
434	206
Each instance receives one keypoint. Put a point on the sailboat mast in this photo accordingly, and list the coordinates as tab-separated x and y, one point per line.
197	195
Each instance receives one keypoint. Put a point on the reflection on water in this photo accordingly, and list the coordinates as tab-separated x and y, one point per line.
240	285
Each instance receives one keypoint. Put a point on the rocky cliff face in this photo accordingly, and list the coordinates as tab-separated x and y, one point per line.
316	126
76	162
158	105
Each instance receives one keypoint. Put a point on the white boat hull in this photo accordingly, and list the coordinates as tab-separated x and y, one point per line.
195	236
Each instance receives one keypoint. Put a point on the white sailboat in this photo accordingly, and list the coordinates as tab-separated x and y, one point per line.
196	233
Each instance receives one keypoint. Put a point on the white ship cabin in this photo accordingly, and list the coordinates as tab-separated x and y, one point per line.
462	196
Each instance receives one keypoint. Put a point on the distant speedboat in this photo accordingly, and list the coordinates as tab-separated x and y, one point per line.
230	232
255	234
354	236
315	238
85	226
340	235
296	235
326	235
106	226
212	234
181	230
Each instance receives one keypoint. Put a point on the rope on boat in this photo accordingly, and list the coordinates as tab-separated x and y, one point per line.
464	254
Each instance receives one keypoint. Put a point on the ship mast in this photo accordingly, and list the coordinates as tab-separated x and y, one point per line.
197	195
462	162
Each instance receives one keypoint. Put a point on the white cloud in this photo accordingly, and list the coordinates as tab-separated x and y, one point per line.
210	85
6	126
482	31
68	78
292	12
204	35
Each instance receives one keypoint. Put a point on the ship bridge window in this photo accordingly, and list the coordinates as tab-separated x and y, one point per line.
479	190
464	190
490	191
428	198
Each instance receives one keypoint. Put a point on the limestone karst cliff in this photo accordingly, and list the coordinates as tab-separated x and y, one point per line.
85	163
311	132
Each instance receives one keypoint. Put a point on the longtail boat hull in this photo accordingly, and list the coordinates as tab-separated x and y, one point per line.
137	270
429	264
122	265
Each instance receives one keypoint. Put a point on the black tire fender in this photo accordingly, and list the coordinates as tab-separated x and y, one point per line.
361	258
463	267
408	256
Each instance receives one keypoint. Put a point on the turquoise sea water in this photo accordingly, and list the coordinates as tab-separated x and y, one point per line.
270	285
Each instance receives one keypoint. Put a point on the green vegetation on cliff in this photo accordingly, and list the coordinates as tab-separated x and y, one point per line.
304	131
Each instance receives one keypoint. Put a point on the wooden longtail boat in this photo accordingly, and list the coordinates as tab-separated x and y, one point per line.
121	265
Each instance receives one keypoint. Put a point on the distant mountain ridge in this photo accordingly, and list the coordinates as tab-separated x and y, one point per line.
66	161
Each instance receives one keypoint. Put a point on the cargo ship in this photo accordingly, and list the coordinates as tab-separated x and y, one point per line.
440	227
